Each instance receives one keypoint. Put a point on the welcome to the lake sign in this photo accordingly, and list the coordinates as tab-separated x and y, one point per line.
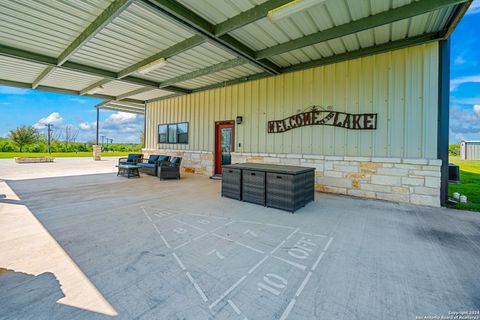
361	121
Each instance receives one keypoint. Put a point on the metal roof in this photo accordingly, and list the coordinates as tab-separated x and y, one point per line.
76	46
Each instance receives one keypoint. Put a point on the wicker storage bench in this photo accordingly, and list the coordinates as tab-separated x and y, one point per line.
232	183
278	186
253	186
285	191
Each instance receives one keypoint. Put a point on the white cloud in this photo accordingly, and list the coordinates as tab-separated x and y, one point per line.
474	7
123	127
455	83
13	90
79	100
53	118
120	118
476	110
464	123
85	126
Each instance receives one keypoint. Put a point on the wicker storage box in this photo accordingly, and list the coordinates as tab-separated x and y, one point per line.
232	183
285	191
253	186
309	186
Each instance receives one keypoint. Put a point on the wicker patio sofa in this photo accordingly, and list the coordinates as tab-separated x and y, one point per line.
150	165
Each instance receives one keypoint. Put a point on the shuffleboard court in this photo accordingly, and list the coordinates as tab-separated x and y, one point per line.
236	266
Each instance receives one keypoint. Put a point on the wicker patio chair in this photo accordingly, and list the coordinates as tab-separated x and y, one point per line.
170	169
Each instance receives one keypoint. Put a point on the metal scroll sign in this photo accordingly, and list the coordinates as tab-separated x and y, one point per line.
319	116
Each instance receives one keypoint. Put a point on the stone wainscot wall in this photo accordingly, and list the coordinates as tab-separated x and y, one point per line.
415	181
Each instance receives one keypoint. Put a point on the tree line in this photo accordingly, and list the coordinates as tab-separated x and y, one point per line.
29	139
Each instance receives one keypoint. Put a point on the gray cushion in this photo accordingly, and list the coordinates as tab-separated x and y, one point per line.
153	158
176	160
133	156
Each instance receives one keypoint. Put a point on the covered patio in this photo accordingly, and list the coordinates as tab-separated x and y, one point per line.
75	247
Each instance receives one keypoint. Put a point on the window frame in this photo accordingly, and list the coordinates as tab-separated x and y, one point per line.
167	125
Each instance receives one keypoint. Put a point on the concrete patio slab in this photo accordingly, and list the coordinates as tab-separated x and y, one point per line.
148	249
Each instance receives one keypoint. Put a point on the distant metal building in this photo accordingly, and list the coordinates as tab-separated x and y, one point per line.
470	150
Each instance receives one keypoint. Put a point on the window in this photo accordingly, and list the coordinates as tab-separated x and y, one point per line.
173	133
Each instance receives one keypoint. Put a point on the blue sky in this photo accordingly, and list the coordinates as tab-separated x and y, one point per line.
30	107
465	77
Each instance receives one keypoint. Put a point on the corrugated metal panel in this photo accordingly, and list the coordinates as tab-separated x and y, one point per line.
401	86
155	93
116	88
134	35
216	11
19	70
197	58
263	33
471	150
67	79
221	76
45	26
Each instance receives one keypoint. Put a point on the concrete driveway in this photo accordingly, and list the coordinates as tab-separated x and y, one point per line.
98	246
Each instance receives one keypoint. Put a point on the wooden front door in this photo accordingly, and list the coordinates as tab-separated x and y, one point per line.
224	144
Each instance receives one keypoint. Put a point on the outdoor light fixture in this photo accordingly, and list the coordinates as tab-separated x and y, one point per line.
152	66
239	120
291	8
95	90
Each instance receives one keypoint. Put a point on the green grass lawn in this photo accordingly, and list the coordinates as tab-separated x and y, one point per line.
469	183
7	155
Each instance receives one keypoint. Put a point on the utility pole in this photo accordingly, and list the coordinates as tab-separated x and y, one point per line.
103	137
98	125
107	141
49	131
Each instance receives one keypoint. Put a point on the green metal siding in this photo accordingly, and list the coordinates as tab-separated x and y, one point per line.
401	86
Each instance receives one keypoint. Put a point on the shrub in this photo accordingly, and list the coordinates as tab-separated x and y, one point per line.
454	150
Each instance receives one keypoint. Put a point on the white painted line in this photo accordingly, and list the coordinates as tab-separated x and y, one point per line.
221	237
229	223
287	310
250	221
227	292
207	216
328	244
217	228
182	245
298	265
257	265
318	260
190	225
248	247
146	214
234	307
314	235
277	247
279	226
199	237
197	287
161	236
179	261
304	283
291	234
165	241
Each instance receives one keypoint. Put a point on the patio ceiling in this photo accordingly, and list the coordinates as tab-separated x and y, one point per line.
97	47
